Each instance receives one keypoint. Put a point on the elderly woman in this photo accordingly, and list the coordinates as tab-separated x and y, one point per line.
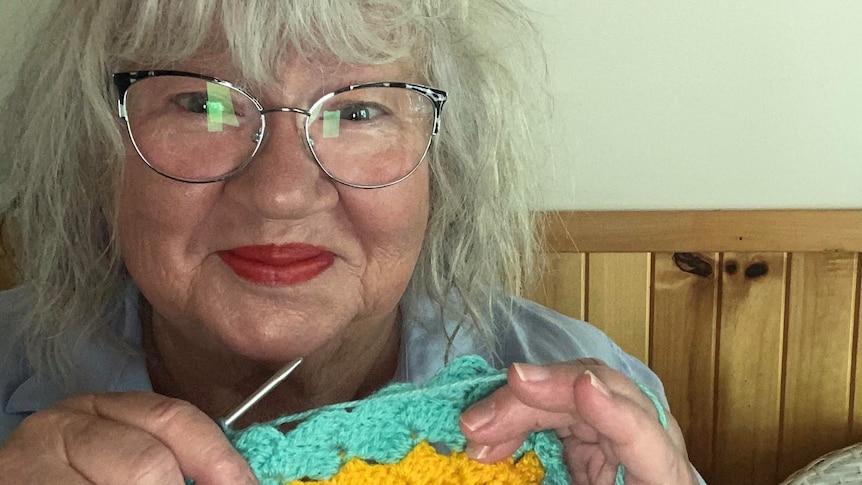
342	181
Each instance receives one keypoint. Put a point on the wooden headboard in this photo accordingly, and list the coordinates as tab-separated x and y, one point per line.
751	319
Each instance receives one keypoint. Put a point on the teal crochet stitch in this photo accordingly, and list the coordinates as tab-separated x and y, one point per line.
384	428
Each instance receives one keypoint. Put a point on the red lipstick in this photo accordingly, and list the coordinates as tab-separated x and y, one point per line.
278	265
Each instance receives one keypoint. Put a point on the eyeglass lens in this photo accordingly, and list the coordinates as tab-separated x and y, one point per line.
197	130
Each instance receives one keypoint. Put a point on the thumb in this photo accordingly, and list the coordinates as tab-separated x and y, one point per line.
632	432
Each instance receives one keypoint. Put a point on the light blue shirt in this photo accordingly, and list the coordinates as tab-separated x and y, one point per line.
526	331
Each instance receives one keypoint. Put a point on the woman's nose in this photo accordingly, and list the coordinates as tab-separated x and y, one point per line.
283	181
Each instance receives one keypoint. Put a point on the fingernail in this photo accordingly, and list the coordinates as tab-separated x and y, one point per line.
596	383
478	455
483	452
478	416
532	373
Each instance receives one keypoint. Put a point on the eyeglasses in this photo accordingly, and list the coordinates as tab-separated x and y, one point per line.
198	129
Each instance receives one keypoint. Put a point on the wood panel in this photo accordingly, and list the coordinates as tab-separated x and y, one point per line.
561	284
856	385
750	348
743	343
685	295
618	297
705	231
761	370
818	357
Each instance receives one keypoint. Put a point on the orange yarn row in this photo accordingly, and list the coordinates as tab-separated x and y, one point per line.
424	466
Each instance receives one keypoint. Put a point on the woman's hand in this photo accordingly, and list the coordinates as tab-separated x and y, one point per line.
121	438
602	418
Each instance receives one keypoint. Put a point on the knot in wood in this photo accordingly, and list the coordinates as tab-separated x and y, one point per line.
693	263
756	270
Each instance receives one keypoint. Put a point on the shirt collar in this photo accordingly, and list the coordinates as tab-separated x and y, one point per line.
426	334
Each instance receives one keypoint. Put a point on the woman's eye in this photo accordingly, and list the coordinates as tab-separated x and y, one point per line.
360	112
193	102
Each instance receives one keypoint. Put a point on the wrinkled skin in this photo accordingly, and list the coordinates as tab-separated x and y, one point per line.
602	418
141	438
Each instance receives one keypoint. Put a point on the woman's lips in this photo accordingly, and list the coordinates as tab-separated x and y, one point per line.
278	265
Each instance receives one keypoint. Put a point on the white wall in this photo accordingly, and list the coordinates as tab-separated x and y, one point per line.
702	104
691	104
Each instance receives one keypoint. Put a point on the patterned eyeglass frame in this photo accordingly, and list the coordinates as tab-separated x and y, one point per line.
124	80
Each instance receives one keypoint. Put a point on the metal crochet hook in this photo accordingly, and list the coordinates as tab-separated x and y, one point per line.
262	391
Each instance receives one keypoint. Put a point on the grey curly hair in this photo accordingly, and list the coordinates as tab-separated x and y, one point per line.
61	142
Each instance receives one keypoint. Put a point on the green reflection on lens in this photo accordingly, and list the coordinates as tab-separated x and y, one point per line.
331	123
219	107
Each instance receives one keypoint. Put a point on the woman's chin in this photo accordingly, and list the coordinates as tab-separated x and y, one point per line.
261	345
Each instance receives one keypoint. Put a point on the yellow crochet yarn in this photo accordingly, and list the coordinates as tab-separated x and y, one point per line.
424	466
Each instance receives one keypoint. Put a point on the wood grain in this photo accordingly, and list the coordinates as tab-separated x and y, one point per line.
683	348
618	299
819	357
705	231
561	285
750	367
856	386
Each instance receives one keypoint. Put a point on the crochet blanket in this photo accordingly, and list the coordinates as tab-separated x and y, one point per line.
403	434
